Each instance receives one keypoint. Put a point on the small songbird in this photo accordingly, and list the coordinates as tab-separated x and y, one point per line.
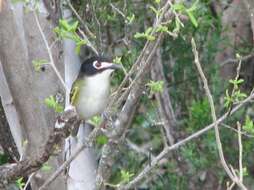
90	91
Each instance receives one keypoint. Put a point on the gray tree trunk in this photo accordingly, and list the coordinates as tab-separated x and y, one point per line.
23	90
237	24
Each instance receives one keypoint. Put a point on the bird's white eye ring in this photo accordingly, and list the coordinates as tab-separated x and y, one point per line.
97	64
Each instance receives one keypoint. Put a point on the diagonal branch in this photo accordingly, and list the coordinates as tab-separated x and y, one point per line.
213	113
148	169
51	60
123	119
27	166
165	106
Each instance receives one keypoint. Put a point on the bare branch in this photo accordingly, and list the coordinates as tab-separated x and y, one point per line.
51	62
87	30
27	166
164	153
123	118
165	106
87	143
240	152
230	60
213	113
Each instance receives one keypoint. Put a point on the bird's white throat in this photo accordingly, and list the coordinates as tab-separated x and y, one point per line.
94	94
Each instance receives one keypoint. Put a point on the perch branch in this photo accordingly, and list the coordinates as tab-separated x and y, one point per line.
214	117
24	168
147	170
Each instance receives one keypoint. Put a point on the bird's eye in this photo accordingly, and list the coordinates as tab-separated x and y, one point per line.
98	64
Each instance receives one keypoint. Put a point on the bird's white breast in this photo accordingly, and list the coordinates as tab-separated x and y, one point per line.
93	95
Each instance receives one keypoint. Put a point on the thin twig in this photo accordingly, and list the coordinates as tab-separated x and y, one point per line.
89	44
165	152
240	152
213	113
119	97
117	10
235	130
87	143
230	60
52	64
139	149
63	166
28	181
87	30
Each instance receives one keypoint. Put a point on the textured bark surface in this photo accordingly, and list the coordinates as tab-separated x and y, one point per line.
236	23
21	43
6	140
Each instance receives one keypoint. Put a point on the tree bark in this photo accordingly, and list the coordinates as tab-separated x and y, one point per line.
21	43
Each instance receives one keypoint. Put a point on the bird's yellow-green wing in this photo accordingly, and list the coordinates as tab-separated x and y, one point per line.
75	91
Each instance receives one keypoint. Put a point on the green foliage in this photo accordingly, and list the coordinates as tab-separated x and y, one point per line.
157	12
20	183
147	34
130	19
52	103
199	115
68	30
156	86
181	8
248	126
3	159
117	60
236	95
96	120
192	109
101	140
126	176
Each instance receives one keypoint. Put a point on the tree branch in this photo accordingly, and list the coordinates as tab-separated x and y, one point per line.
51	62
27	166
213	113
148	169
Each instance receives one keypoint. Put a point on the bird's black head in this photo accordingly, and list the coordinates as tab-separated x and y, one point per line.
96	65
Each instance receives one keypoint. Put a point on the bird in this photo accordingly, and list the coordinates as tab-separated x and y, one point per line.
91	90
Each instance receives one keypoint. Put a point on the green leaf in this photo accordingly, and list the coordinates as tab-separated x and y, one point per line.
95	120
126	176
20	183
101	140
162	28
130	18
228	100
238	56
52	103
150	38
192	18
156	86
194	6
78	45
157	12
117	60
148	30
235	81
248	126
73	27
179	7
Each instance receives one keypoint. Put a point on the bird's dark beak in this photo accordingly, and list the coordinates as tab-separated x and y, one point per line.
115	66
